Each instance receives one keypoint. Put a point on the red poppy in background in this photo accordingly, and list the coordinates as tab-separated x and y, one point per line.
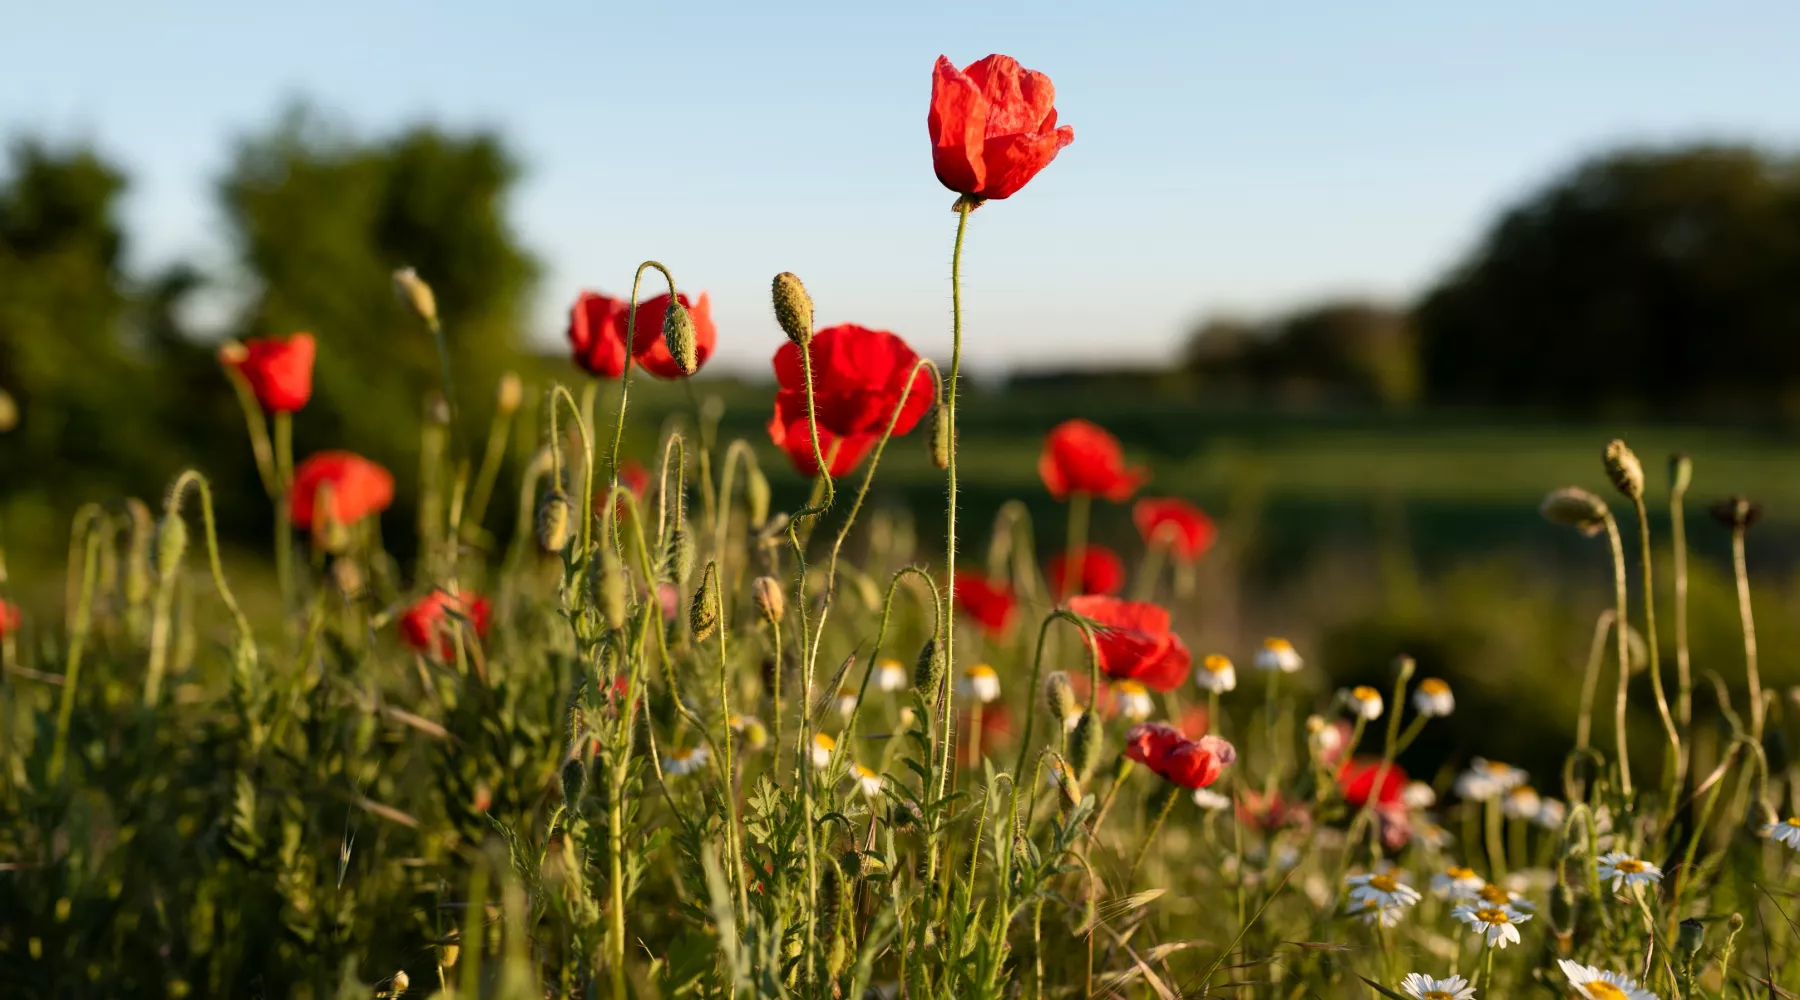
1180	525
990	602
1107	705
597	333
1135	642
650	349
1081	457
1356	780
1102	572
279	369
1270	813
993	126
1195	721
427	624
789	430
359	487
858	377
634	477
9	618
1188	763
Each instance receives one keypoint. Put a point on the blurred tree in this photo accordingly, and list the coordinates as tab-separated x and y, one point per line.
1343	350
1655	279
323	219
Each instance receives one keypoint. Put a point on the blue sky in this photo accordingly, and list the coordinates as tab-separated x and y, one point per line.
1227	157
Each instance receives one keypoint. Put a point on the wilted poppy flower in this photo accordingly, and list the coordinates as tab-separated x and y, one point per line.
1134	640
789	430
1081	457
1180	525
1356	780
1102	572
1188	763
359	487
993	126
597	333
428	625
279	369
989	602
650	349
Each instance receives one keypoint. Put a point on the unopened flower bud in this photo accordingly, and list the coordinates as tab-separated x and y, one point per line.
416	293
1736	512
143	540
1084	745
1681	472
862	864
681	556
770	602
171	544
574	783
610	588
1690	937
510	394
679	334
793	308
553	517
940	436
1059	697
756	497
703	613
1574	507
1624	469
928	671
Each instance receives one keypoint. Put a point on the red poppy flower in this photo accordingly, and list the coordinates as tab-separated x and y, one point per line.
359	487
993	126
279	369
990	602
650	349
1102	572
597	333
1356	780
1196	721
427	625
858	377
1188	763
1180	525
1149	742
789	430
1135	642
1081	457
9	618
634	477
1270	813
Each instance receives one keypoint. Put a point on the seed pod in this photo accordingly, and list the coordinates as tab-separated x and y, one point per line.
770	603
678	333
681	556
940	436
171	544
1574	507
793	308
574	782
1681	472
1690	938
1736	512
928	671
553	517
1624	469
703	613
510	394
416	293
1084	745
756	498
1059	697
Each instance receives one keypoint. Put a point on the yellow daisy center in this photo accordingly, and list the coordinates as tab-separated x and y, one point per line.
1434	685
1793	821
1600	989
1129	688
1495	895
1492	915
683	754
1385	883
1216	664
982	670
1277	645
1436	995
824	741
1460	872
1629	866
1499	770
1365	693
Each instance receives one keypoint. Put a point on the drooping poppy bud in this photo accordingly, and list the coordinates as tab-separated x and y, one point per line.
574	782
940	436
679	334
1059	697
928	671
610	588
756	497
1084	745
553	529
171	544
509	394
703	613
1574	507
793	308
769	600
681	556
1624	469
416	293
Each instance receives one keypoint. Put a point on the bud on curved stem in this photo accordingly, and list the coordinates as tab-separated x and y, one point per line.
703	615
678	332
770	603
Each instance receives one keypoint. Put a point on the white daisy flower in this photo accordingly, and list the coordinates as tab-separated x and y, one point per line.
867	781
751	728
981	683
1133	700
1216	674
686	760
1071	720
1625	870
1434	836
1365	702
1433	699
1551	814
1210	800
1456	883
1325	738
822	747
1369	912
1498	925
1384	889
1598	984
1487	779
1498	895
907	718
891	675
1421	987
1522	802
1786	832
1278	654
1418	795
846	702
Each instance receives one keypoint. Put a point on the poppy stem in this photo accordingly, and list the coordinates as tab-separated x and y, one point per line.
1169	795
1675	772
625	375
84	616
1624	651
284	531
1740	571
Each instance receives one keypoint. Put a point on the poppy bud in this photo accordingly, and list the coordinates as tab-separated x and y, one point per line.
793	308
171	544
1681	472
417	294
679	333
830	895
574	782
770	603
756	497
1059	696
703	613
681	556
1624	469
928	671
143	537
510	394
862	864
553	529
1736	512
1574	507
940	436
610	588
1690	938
1084	745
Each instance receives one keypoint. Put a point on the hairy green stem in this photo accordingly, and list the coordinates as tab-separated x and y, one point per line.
1620	620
